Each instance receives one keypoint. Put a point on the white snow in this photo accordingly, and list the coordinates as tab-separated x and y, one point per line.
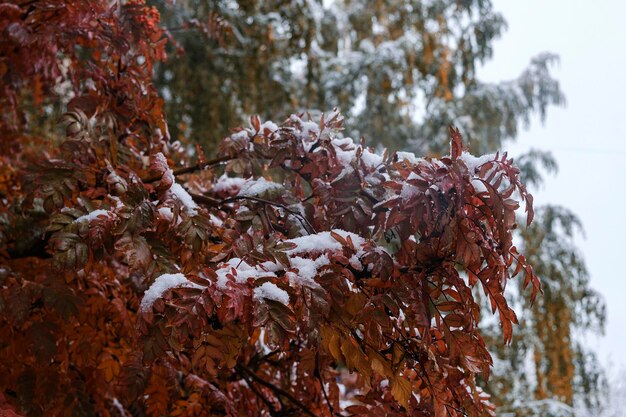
91	216
409	190
472	162
310	127
165	213
225	183
241	271
355	262
242	134
303	270
310	132
215	221
307	270
479	186
271	292
168	175
161	285
345	150
269	125
183	196
255	187
323	241
342	142
119	407
409	157
371	159
160	158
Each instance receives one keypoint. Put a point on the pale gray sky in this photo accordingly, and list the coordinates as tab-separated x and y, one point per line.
587	137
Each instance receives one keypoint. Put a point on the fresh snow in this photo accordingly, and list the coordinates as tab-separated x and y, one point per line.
472	162
323	241
409	190
91	216
315	244
271	292
165	213
269	125
183	196
161	285
256	187
225	183
168	175
309	132
479	186
241	271
345	150
371	159
119	407
310	127
409	157
215	221
307	270
242	134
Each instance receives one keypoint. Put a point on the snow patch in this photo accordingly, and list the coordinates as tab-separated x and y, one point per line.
161	285
371	159
225	183
165	213
93	215
479	186
409	190
256	187
307	270
270	291
241	271
269	125
472	162
183	196
409	157
323	241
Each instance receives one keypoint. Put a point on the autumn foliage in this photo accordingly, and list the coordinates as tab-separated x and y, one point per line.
296	273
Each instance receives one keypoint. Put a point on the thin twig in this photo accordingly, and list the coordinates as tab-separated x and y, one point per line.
267	402
299	216
277	390
203	199
189	169
319	377
213	202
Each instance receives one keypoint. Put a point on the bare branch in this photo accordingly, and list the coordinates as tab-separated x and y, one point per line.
277	390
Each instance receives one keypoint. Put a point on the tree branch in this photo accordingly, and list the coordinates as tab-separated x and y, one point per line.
189	169
277	390
319	377
213	202
299	216
258	393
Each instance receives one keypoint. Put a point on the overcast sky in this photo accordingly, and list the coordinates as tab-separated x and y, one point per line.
587	137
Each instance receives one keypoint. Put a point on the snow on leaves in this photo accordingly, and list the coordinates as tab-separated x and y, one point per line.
306	243
265	276
315	263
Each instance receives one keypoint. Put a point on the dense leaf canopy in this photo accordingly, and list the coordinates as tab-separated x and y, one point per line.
296	272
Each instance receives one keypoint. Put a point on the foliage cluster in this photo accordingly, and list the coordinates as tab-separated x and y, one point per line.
296	273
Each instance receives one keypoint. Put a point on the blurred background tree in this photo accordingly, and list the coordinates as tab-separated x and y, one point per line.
402	71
